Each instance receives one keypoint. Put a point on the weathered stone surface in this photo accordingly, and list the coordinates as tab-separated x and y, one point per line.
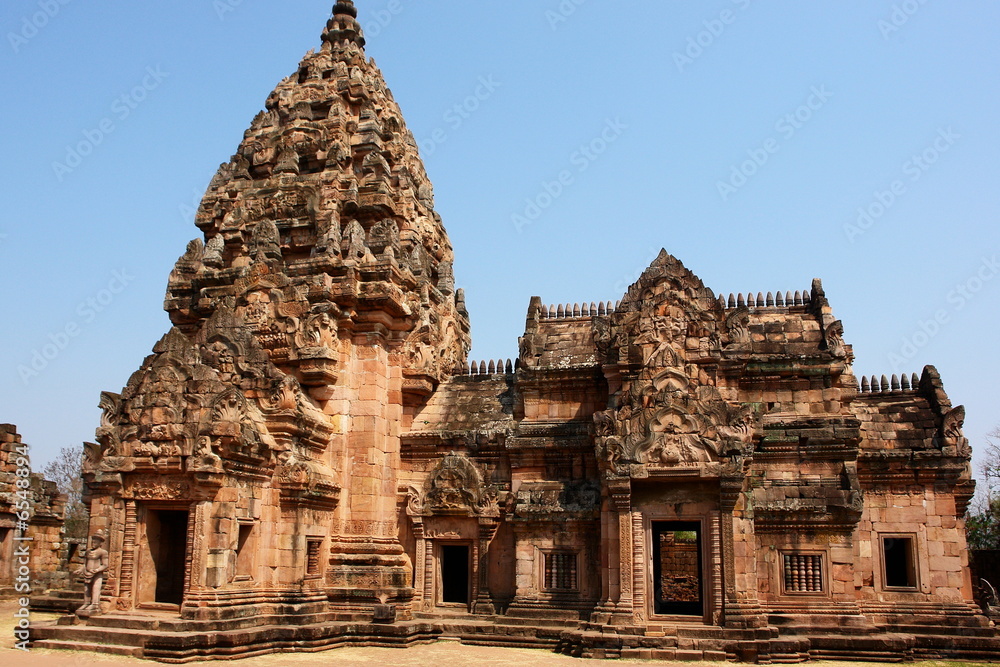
32	509
678	475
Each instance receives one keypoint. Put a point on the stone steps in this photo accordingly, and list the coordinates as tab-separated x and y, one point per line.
678	655
168	646
951	631
58	600
170	639
875	648
174	624
949	645
112	649
91	635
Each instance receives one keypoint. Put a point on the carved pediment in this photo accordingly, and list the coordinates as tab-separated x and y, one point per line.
236	429
304	480
455	486
674	429
577	497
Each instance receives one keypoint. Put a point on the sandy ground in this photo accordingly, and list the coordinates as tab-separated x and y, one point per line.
444	653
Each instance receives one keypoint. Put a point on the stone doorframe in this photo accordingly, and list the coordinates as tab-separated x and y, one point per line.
133	524
477	533
644	598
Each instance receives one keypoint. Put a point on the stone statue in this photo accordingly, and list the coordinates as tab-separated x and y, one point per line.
95	565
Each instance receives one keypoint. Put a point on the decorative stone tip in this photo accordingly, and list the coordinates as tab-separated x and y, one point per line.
345	7
343	27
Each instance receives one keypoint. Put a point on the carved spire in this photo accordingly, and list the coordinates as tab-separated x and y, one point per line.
344	25
328	171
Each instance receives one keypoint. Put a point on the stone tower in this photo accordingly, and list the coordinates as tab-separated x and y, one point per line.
263	433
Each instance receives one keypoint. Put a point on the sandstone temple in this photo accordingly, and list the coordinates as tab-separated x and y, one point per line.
308	459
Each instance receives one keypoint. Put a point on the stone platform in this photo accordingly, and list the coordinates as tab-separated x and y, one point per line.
166	637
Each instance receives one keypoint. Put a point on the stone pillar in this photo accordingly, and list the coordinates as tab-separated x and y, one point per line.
429	575
639	569
741	608
483	602
419	564
715	559
623	505
126	580
616	544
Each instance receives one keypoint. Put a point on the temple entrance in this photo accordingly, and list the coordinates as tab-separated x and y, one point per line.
677	572
161	572
455	580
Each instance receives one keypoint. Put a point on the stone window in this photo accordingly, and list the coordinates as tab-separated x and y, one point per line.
313	548
245	547
560	571
898	561
803	573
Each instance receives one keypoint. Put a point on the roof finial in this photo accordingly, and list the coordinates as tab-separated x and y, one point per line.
344	25
346	7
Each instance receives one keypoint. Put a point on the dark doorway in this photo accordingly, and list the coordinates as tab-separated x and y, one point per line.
677	575
899	570
455	574
167	531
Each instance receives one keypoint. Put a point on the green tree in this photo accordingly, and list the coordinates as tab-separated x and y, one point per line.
982	523
65	471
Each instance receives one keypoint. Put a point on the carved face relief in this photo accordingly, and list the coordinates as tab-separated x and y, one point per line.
321	331
661	338
218	355
259	309
676	440
455	484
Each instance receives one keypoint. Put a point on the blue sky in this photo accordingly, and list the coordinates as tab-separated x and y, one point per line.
763	144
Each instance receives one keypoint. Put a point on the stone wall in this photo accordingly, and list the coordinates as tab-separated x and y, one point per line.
46	508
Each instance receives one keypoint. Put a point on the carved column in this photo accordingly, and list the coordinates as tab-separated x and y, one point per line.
607	557
639	569
715	550
620	497
483	603
429	575
125	592
419	563
190	549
